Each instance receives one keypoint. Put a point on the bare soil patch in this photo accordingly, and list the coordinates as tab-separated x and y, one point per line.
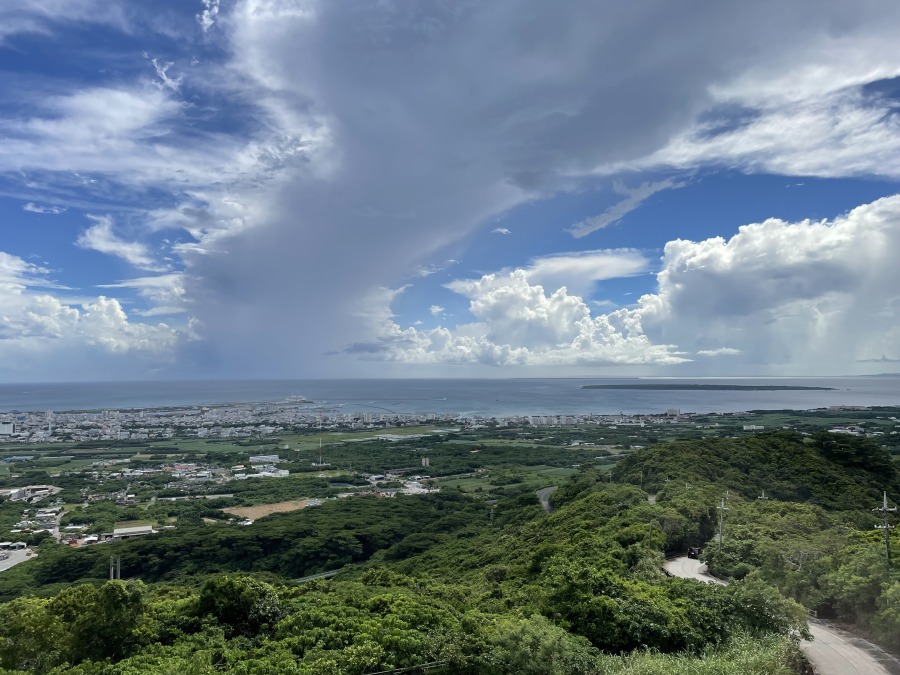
262	510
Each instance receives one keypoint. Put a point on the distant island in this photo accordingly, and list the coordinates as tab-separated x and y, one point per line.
666	386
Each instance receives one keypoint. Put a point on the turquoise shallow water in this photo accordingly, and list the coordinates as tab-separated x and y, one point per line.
495	397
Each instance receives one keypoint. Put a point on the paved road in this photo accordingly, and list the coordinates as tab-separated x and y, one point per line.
831	652
544	496
15	557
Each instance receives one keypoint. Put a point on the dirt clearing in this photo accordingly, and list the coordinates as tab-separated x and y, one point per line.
262	510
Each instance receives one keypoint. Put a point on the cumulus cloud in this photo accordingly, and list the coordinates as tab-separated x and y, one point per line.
805	295
40	331
776	297
519	323
469	134
411	125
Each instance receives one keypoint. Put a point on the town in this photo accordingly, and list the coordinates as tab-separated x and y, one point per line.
89	477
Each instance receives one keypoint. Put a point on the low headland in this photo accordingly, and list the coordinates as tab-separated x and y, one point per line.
674	386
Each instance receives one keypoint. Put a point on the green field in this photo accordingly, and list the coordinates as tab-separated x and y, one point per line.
532	476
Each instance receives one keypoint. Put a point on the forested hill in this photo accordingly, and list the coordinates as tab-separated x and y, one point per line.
488	583
799	515
835	471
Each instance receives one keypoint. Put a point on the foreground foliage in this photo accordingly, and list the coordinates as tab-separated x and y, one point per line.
484	586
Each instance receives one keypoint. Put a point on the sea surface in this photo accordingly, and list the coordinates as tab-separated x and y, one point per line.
489	397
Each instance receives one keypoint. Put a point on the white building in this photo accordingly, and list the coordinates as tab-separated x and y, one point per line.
265	459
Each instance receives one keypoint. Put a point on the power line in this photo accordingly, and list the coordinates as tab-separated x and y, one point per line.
887	527
722	509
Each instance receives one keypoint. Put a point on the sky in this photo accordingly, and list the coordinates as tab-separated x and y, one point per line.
448	188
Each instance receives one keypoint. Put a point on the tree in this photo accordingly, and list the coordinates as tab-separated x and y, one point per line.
102	623
30	636
244	605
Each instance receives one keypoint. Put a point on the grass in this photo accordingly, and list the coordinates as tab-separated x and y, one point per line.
744	656
532	476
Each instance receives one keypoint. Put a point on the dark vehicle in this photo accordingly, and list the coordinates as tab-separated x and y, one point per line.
693	552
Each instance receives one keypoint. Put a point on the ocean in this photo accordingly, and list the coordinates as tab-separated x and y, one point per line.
487	397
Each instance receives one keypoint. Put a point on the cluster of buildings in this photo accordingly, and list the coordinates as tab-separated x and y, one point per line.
29	493
255	420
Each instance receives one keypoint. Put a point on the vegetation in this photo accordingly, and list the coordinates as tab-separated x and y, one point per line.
812	536
478	578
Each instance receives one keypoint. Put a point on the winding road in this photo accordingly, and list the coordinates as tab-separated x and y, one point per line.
543	496
831	651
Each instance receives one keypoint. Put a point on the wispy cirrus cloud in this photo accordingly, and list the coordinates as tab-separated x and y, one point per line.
633	198
31	207
720	351
162	72
101	237
577	271
207	18
164	292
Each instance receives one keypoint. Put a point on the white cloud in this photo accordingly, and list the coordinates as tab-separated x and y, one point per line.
634	197
806	296
518	323
420	150
843	134
45	16
786	298
501	230
164	292
436	310
100	237
578	272
162	72
409	126
721	351
207	18
31	207
42	335
428	270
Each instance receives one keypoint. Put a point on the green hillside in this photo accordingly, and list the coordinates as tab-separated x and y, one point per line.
489	583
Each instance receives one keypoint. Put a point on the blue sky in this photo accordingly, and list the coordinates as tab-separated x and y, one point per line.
293	188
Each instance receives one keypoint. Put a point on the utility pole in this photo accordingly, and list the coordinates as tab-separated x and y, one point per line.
115	567
887	527
722	510
763	495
